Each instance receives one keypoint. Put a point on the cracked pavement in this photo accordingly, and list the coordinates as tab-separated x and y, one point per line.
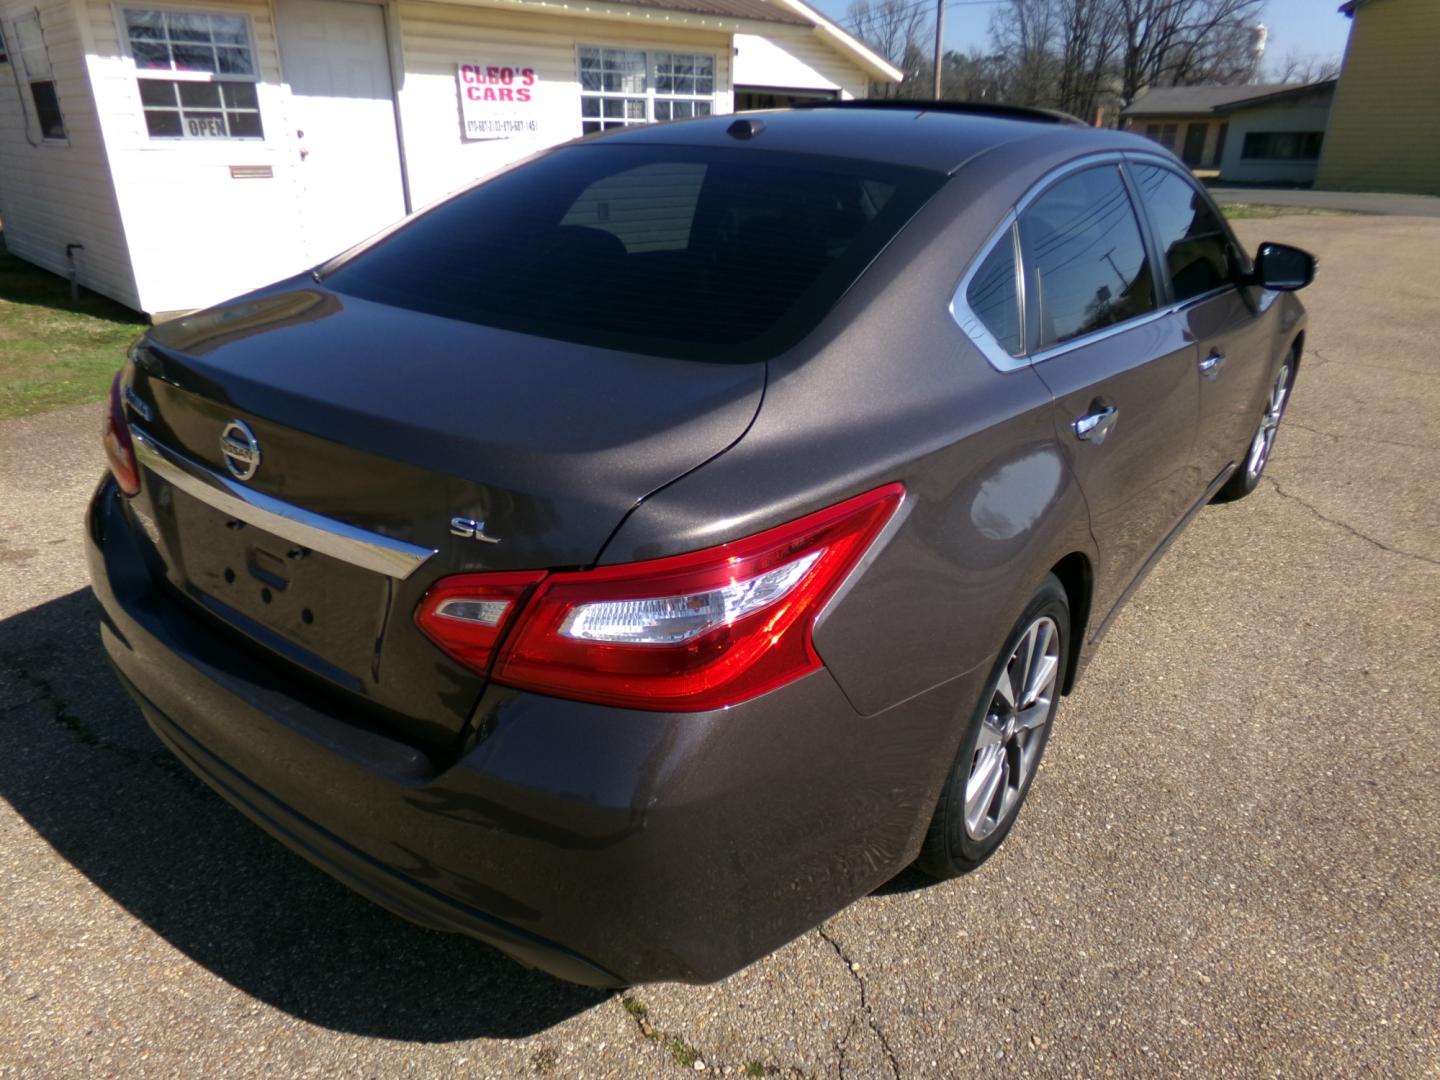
1229	865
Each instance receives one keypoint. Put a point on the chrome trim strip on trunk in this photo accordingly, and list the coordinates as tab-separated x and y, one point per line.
354	545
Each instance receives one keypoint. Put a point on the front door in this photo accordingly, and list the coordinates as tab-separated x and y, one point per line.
1122	373
342	104
1232	331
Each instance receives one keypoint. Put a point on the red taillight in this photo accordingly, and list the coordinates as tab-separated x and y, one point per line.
466	614
119	451
697	631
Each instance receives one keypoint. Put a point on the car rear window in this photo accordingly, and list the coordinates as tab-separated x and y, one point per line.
713	254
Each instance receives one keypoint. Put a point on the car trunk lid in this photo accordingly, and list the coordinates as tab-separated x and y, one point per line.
396	423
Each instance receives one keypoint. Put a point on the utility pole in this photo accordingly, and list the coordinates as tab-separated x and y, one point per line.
939	44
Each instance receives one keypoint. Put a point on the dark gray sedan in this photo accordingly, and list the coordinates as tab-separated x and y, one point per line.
644	553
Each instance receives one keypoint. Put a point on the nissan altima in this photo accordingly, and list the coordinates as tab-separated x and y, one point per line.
643	553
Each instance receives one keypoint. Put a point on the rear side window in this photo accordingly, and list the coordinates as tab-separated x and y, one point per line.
993	297
1083	241
712	254
1193	238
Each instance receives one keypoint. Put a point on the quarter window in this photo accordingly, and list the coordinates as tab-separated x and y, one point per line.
624	87
992	295
1196	245
196	73
1083	240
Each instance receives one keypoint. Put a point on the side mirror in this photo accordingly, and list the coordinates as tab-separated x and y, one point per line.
1283	268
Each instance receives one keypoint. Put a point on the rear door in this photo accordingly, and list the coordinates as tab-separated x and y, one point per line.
1121	369
1203	267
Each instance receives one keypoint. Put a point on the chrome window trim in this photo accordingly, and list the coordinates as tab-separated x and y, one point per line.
971	323
349	543
1100	335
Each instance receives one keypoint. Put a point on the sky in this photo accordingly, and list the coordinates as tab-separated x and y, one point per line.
1307	27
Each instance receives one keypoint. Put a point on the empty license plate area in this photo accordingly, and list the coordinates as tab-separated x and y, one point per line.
325	606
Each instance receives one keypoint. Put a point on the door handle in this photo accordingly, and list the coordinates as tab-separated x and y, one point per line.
1094	426
1211	365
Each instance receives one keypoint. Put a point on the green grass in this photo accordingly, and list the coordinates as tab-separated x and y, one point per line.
1239	211
54	352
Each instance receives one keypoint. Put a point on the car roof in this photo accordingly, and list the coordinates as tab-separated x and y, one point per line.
938	138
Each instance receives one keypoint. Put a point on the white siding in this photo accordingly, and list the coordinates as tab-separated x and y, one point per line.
196	235
435	38
56	194
795	58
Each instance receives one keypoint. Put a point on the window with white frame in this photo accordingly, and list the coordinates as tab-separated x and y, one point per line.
197	73
623	87
35	60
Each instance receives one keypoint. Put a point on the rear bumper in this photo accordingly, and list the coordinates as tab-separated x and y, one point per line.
601	845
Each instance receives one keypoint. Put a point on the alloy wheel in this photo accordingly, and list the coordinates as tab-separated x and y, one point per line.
1012	731
1264	440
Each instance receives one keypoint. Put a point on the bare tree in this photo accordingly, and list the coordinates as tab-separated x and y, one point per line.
1185	42
1025	32
1089	39
1304	68
895	29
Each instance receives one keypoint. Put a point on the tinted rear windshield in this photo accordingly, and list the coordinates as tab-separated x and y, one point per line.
670	250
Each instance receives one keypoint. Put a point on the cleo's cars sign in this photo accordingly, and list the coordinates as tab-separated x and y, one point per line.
497	101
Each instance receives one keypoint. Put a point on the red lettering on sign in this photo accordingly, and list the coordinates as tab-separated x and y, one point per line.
528	74
522	95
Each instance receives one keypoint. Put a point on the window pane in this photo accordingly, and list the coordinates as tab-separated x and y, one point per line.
1082	238
589	106
993	298
47	110
194	58
245	125
702	108
712	253
150	54
240	95
1196	246
185	27
232	61
200	95
159	92
145	24
614	106
662	110
163	125
589	127
229	29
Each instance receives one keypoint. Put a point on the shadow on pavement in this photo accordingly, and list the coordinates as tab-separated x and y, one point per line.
78	763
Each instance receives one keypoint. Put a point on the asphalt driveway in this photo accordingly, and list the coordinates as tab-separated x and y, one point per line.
1230	864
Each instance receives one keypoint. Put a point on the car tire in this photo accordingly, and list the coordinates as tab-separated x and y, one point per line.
1004	740
1257	454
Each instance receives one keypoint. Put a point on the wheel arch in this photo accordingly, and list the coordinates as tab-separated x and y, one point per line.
1077	577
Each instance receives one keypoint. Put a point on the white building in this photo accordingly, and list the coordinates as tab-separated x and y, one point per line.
170	155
